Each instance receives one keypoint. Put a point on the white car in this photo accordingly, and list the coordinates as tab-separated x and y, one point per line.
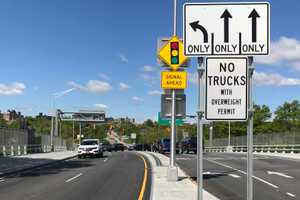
90	147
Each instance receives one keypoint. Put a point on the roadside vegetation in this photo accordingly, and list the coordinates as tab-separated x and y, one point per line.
286	119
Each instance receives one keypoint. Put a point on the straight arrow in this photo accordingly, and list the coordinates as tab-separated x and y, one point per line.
226	15
279	174
254	15
195	25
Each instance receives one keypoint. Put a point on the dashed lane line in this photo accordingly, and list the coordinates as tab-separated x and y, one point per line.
105	160
71	179
291	195
242	172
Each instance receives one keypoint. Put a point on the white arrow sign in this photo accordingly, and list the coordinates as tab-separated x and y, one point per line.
279	174
226	29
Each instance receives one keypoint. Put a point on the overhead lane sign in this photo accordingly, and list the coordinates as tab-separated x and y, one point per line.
172	53
226	89
226	29
173	79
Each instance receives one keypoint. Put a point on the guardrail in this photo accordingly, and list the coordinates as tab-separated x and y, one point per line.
257	149
17	150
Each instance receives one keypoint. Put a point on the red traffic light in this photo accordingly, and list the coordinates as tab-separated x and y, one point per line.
174	45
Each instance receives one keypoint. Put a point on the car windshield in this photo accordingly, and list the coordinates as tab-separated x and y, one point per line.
166	140
89	142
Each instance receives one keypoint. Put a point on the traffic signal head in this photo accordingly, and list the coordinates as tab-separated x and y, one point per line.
174	53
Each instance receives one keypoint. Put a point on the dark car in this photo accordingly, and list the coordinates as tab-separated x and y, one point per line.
106	146
164	146
189	144
119	147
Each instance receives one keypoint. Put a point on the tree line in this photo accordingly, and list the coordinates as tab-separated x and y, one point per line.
286	119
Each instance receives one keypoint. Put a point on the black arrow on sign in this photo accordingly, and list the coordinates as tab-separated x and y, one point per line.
254	15
226	15
195	25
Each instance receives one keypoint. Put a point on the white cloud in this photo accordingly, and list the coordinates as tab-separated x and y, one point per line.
123	86
284	50
101	106
16	88
273	79
154	93
149	79
137	100
148	68
123	58
104	77
62	93
93	86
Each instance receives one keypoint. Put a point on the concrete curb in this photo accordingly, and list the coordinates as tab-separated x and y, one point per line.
152	175
164	190
5	174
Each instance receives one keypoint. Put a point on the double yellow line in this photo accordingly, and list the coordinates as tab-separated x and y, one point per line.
143	189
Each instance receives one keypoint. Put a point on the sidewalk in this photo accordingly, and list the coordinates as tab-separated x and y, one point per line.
10	165
162	189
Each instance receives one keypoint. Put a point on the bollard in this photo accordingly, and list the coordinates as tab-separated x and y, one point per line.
25	149
4	151
12	153
19	150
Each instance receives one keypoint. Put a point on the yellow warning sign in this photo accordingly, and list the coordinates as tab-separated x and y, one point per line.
173	80
172	53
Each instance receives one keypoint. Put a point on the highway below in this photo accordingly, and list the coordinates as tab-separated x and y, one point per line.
225	176
116	176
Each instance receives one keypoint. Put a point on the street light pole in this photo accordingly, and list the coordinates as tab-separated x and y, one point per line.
172	170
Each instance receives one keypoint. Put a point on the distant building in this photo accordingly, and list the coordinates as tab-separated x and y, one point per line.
126	119
11	115
42	116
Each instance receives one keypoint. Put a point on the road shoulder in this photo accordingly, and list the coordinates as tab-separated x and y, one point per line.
162	189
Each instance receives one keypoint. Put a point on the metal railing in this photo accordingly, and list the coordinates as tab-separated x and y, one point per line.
15	142
257	149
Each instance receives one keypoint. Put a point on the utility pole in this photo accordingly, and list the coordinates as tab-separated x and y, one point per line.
200	115
250	132
172	170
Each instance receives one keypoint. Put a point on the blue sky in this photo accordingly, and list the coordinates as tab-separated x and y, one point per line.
75	54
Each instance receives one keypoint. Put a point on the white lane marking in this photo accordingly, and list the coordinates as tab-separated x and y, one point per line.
105	160
234	176
212	173
279	174
290	194
71	179
1	180
257	178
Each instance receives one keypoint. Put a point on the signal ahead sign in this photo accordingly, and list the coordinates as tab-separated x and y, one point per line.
173	79
226	29
226	89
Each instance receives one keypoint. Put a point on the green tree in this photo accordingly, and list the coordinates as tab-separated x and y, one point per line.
288	116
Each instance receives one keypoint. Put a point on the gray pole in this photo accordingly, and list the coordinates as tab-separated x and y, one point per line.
172	170
51	134
250	134
210	134
56	123
79	133
229	136
200	112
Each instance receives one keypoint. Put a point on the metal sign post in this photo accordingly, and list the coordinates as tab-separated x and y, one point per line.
200	114
173	171
250	133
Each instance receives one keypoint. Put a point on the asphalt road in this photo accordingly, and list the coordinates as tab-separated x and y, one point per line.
225	176
117	176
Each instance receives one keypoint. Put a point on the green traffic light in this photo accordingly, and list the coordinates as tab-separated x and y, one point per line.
174	60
